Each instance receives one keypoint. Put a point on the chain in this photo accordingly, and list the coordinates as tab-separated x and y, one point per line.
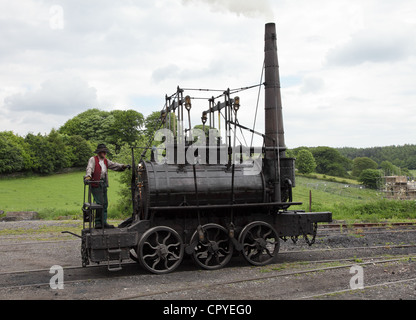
315	230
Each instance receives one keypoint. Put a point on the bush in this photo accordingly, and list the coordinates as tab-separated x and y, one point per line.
305	162
370	178
361	164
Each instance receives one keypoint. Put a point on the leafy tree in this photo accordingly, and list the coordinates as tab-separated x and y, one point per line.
362	163
115	127
49	152
41	153
400	156
58	149
90	125
336	169
305	162
390	169
153	122
79	150
14	153
329	161
411	162
125	204
370	178
290	153
10	156
125	127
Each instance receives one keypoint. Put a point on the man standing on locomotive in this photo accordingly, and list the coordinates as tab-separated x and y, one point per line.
97	170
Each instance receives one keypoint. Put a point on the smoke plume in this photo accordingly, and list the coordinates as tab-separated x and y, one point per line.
247	8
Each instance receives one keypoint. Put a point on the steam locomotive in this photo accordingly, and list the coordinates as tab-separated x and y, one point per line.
205	196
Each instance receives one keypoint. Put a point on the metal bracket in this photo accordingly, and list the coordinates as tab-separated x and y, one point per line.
75	235
231	233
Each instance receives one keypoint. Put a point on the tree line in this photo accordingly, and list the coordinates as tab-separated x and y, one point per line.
72	144
356	165
400	156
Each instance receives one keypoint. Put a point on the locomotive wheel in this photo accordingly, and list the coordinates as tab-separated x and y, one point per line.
260	243
160	250
216	250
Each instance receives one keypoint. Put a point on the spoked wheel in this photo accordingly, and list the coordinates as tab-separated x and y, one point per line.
216	250
160	250
260	243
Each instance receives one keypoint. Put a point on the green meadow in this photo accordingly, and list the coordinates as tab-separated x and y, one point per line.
60	196
351	202
53	197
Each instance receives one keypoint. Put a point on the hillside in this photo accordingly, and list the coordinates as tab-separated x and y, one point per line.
350	202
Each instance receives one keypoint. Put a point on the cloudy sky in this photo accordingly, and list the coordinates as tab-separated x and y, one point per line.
348	68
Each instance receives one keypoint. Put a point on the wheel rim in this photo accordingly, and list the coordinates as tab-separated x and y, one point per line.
260	243
216	250
160	250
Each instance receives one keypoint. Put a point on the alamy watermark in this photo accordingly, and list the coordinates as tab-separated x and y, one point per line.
57	281
357	281
173	150
57	19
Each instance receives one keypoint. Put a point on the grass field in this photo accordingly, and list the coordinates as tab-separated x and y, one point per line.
54	196
351	202
61	195
320	176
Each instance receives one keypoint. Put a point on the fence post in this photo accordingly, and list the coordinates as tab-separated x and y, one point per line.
310	200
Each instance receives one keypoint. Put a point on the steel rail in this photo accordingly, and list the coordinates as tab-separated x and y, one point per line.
357	290
38	285
285	274
288	252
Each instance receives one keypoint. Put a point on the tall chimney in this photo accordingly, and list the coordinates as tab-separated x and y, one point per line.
273	100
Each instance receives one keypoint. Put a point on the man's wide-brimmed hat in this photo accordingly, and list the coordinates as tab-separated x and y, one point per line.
101	148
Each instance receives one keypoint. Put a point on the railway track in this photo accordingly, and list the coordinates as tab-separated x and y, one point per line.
367	225
323	230
372	261
38	278
75	276
280	254
262	278
378	285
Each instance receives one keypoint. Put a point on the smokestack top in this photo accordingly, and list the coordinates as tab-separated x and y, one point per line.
270	37
270	28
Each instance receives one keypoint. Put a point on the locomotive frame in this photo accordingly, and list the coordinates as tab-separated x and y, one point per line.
208	208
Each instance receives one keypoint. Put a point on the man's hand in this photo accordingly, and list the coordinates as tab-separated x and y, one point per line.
87	179
126	166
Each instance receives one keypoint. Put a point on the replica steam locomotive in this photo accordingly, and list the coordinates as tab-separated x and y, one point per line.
204	196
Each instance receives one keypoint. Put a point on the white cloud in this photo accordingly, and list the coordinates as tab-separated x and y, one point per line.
376	46
60	96
347	67
258	8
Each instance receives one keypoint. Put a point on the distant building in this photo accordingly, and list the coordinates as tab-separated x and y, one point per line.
399	187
